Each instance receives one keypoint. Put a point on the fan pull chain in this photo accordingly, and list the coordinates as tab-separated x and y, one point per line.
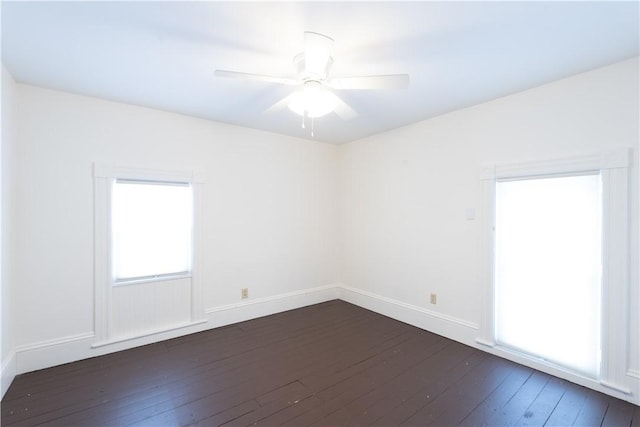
303	114
312	122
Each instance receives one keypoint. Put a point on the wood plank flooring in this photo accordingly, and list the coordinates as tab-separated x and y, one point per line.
331	364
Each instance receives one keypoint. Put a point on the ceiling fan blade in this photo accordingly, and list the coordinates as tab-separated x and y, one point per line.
260	77
390	81
317	53
280	105
344	111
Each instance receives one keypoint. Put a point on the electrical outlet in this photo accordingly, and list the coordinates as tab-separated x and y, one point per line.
434	298
245	293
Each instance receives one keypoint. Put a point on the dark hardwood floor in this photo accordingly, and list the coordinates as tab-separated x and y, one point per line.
331	364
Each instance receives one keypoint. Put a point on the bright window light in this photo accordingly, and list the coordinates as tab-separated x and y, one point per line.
548	269
151	229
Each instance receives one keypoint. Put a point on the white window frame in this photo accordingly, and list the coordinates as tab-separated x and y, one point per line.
104	176
613	167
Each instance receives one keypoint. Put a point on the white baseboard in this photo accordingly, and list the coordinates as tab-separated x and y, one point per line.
46	354
49	353
8	373
447	326
251	309
153	333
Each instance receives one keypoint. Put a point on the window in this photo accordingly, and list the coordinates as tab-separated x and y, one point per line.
151	229
600	179
548	269
147	251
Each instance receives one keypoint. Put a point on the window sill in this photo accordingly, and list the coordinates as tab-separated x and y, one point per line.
150	279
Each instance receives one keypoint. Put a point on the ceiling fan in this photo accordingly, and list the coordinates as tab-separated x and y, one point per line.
315	97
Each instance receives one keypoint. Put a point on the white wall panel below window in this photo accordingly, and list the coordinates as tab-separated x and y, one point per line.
150	307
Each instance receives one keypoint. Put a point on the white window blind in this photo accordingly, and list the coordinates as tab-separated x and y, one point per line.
548	269
151	229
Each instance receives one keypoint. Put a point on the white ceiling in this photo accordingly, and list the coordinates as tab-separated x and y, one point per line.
163	54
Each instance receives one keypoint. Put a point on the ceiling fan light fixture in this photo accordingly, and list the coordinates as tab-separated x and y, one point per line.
313	99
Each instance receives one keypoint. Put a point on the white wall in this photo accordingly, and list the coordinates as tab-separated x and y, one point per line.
7	215
287	217
269	213
405	194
